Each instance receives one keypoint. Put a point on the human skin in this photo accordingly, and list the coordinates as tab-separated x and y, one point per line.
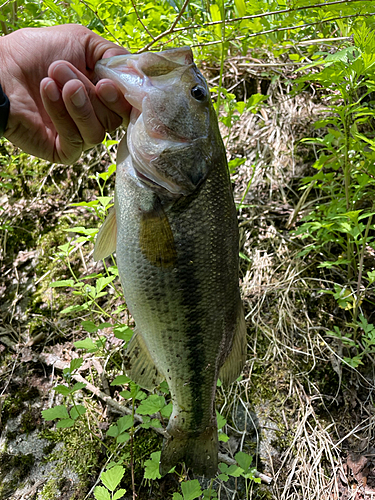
56	110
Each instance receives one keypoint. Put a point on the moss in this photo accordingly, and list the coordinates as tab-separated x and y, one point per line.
80	454
47	450
50	490
145	443
19	466
15	403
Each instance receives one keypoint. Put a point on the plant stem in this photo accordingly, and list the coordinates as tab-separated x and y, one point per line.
132	451
360	268
222	58
346	123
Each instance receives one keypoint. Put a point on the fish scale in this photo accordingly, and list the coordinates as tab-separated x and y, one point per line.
177	249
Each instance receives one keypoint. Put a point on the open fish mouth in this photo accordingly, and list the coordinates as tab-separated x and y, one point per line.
158	134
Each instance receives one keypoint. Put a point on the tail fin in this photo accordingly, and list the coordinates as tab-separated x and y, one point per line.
199	452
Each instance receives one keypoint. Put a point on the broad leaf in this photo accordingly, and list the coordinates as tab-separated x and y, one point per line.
55	412
112	477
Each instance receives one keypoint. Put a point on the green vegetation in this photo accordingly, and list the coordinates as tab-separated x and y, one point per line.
329	51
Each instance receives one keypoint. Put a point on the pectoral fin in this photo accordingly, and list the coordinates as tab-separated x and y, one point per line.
156	238
236	359
139	365
105	243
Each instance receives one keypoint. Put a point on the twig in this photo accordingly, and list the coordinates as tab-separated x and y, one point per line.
140	20
168	31
236	19
123	410
103	23
275	30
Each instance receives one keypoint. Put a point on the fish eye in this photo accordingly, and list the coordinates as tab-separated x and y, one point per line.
199	93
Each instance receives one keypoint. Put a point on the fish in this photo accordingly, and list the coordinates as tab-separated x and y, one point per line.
175	233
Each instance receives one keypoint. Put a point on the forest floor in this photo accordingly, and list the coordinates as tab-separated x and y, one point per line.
308	420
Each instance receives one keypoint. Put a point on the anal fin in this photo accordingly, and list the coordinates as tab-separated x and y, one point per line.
236	359
139	365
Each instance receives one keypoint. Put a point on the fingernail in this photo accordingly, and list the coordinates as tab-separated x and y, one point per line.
109	93
62	73
78	98
52	91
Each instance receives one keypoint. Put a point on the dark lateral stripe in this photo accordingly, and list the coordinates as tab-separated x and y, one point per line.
190	285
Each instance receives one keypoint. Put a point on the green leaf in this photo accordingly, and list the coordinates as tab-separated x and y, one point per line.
101	283
112	431
101	493
124	423
167	410
63	424
105	200
177	496
123	332
354	362
55	8
216	16
123	438
152	404
56	284
59	411
244	460
62	389
234	471
112	477
164	387
221	421
191	489
152	466
223	437
119	493
77	411
121	380
75	364
240	7
76	308
87	344
77	387
89	326
223	477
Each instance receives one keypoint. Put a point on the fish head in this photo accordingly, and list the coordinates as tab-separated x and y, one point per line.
173	128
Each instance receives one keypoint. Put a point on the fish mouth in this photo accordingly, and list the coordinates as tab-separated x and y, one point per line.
136	74
151	142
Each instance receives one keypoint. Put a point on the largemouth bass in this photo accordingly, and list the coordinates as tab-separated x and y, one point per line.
175	233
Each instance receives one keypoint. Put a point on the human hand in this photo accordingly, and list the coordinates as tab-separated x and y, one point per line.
56	111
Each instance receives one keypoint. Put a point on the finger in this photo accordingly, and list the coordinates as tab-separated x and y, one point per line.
68	141
113	99
81	110
90	114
